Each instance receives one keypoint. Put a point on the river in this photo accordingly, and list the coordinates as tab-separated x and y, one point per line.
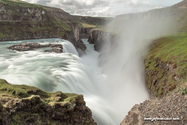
69	73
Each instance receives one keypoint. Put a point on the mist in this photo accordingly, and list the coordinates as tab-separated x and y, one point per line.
123	54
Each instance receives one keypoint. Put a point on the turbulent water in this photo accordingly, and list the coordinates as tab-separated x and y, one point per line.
68	73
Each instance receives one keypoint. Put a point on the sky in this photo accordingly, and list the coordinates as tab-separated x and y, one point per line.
105	8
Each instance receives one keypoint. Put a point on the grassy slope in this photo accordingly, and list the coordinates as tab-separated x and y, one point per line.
170	50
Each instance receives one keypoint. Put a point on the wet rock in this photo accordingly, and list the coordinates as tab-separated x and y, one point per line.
57	48
80	46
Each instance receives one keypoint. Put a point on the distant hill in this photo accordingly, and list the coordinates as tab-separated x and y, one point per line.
90	22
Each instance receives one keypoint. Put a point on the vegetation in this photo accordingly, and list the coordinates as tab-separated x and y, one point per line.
166	64
24	91
85	25
22	104
183	91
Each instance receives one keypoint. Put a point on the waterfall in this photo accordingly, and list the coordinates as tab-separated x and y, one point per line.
68	73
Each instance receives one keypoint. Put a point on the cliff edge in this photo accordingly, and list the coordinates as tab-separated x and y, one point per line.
21	104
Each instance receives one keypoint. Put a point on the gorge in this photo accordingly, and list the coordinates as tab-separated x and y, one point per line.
111	79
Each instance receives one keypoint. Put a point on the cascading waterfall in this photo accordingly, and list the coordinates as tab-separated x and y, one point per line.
68	73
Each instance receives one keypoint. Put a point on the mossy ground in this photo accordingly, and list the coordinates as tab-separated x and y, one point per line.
22	104
24	91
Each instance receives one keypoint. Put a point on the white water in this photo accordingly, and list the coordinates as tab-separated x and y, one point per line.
67	72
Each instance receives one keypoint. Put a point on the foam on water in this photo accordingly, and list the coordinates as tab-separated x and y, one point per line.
68	73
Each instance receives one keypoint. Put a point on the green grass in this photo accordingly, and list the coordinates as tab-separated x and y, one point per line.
63	25
24	91
183	91
86	25
170	50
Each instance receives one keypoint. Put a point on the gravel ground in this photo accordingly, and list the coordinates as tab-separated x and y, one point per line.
167	109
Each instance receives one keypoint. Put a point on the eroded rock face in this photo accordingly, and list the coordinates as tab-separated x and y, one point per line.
57	48
28	105
84	32
157	80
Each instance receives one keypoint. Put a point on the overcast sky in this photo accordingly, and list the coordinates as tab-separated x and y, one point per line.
107	8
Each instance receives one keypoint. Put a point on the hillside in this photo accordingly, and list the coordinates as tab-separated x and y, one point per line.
20	20
92	22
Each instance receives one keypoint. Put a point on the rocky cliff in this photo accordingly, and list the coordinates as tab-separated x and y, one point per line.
87	23
103	40
21	104
84	32
20	20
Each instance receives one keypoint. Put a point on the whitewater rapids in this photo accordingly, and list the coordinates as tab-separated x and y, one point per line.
69	73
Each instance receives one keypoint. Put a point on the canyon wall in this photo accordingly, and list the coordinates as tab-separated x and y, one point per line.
20	21
84	32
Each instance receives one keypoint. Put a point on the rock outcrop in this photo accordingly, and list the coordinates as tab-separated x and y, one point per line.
57	48
81	47
20	20
100	38
84	32
25	105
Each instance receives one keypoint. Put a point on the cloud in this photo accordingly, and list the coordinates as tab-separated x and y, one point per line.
77	4
144	4
101	7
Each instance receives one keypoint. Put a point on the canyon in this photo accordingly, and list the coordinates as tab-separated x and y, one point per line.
21	21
